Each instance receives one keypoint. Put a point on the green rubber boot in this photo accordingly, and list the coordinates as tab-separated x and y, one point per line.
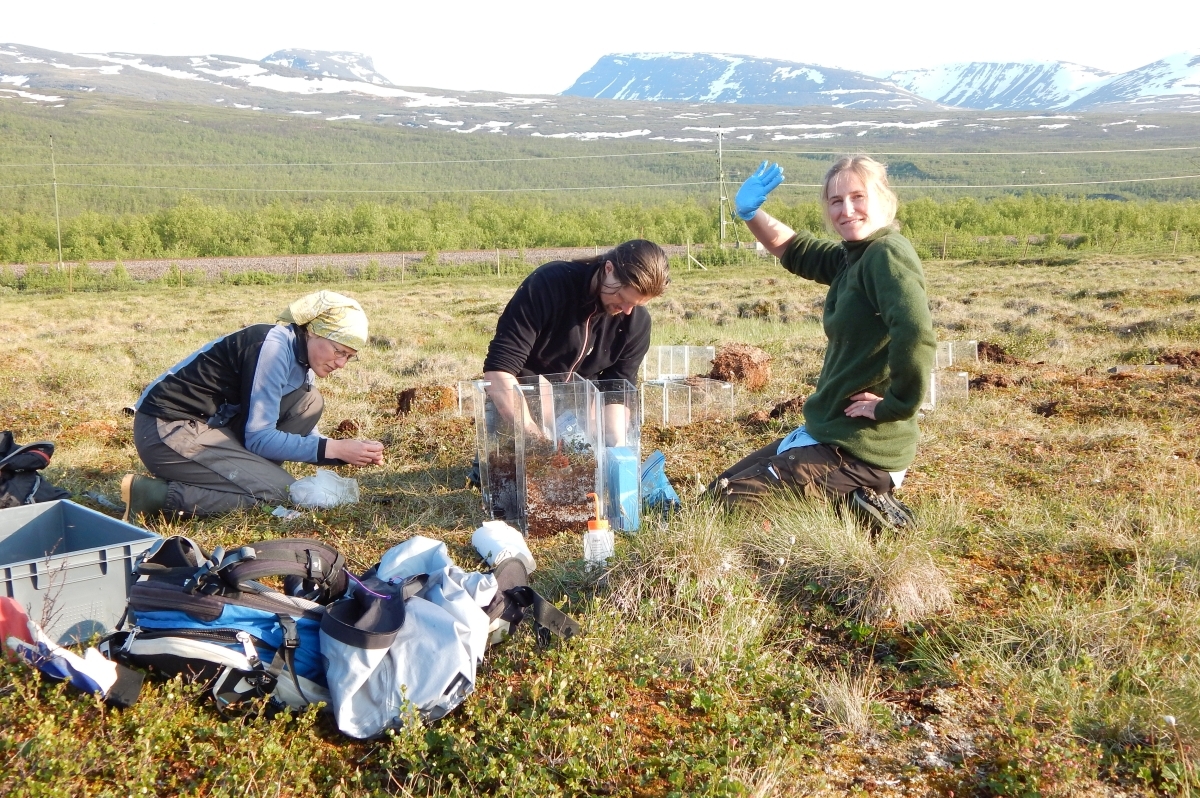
145	496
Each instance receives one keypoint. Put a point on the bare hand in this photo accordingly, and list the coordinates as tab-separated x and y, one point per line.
862	405
356	453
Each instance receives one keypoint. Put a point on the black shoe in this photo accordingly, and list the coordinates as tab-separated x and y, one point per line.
881	510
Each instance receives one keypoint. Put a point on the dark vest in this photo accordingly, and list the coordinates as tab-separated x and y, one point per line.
213	385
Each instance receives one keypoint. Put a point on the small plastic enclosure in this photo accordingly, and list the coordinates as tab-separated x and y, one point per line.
673	403
955	353
559	454
68	566
466	397
946	387
621	421
677	362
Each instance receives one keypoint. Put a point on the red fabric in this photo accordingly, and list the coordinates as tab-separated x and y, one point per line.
13	623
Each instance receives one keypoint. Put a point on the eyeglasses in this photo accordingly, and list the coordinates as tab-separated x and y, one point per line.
344	355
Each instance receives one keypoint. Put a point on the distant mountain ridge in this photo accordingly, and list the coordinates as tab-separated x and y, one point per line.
717	78
331	64
1047	85
1170	84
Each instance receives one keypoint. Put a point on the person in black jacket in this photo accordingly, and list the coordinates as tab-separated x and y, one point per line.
584	317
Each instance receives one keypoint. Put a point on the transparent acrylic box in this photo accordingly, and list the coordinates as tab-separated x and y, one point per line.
559	453
673	403
621	420
946	387
955	353
677	362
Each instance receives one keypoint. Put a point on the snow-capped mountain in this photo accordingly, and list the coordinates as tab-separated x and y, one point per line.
1048	85
348	66
1172	83
716	78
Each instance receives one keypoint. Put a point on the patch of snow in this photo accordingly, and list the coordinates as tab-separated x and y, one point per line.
680	140
1054	127
932	123
139	64
103	69
305	113
724	83
343	116
1018	118
237	71
592	136
490	127
746	137
782	137
446	122
32	98
14	80
787	73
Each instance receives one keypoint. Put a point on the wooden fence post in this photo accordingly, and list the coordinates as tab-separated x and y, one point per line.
1175	245
1116	240
1025	251
945	240
497	262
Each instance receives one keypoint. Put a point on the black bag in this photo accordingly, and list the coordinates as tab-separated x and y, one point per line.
209	618
20	482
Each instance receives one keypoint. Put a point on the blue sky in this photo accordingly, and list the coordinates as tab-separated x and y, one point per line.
539	46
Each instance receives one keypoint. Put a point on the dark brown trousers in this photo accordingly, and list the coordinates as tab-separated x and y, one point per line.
822	470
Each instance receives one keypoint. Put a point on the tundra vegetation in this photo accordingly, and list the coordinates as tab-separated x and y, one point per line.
1035	635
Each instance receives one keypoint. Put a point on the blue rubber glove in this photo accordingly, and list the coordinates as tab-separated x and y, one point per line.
754	191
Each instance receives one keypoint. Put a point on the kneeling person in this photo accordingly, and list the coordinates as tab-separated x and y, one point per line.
215	428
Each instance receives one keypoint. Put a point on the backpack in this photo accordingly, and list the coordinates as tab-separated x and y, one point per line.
20	482
210	618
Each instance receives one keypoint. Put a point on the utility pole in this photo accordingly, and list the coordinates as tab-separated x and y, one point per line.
57	221
720	185
723	193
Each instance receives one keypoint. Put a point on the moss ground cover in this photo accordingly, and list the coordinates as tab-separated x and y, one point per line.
1034	636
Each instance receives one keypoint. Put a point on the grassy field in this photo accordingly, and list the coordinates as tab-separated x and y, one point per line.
1034	636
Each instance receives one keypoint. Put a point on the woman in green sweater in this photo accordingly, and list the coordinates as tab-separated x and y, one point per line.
860	425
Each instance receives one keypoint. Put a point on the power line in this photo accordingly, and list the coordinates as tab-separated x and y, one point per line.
388	190
931	154
166	165
698	151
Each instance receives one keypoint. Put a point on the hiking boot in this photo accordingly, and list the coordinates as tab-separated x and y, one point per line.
881	510
143	496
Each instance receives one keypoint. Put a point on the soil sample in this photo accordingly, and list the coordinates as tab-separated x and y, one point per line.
1185	360
743	364
994	353
349	428
426	400
788	406
557	484
502	485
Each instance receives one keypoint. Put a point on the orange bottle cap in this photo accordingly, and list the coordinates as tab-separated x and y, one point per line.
597	524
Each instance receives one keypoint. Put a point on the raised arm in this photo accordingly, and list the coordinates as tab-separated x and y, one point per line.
770	232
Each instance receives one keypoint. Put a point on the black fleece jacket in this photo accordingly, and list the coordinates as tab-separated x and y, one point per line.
554	323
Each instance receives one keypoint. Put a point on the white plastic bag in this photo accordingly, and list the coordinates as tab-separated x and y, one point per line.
496	541
324	489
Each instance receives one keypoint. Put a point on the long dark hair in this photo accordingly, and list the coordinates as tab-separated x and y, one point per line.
640	264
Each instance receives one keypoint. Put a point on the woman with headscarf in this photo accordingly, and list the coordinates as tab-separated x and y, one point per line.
860	425
216	427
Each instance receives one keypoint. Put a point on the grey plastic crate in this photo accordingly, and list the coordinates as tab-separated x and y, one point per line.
68	566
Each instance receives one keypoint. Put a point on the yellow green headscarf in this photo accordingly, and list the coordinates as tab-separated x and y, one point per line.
330	315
